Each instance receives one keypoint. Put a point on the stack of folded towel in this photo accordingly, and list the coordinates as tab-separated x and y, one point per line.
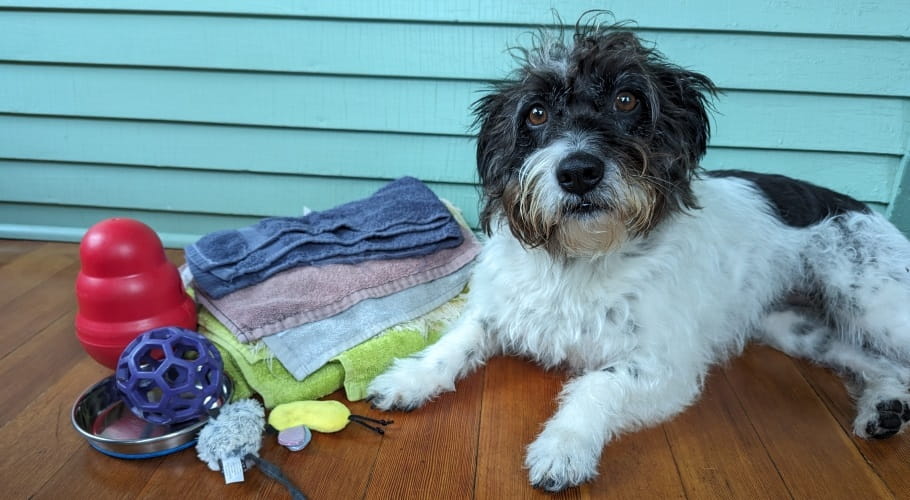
300	307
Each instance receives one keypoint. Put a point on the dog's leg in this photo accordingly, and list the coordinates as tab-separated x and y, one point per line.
860	264
879	384
879	356
857	267
412	381
881	316
597	406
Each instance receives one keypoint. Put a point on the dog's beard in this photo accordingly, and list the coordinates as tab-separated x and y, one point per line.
540	214
586	237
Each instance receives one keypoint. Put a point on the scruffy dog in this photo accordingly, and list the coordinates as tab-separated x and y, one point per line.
612	254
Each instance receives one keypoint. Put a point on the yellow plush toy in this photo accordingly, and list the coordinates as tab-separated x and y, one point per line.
320	416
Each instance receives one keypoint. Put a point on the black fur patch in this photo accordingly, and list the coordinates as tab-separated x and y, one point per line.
797	203
803	328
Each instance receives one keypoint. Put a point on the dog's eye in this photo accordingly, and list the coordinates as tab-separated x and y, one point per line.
625	102
537	116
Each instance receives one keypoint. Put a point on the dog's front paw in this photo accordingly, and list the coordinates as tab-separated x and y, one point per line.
407	385
561	458
884	421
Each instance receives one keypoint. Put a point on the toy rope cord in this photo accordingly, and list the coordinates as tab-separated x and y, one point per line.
360	419
273	471
321	416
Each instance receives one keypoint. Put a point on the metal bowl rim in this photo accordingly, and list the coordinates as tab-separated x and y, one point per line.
189	430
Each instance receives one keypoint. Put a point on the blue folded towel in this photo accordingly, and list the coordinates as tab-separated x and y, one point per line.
403	219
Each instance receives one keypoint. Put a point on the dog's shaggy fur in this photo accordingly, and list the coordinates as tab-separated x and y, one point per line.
611	253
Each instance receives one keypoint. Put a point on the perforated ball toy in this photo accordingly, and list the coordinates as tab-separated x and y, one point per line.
170	375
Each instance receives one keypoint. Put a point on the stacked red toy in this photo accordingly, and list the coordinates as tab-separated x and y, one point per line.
126	287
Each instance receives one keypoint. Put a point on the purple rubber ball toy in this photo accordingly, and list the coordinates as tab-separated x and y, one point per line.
170	375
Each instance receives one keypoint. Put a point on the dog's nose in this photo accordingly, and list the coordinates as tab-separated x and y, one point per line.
579	173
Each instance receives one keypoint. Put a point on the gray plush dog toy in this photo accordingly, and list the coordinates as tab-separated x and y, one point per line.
230	442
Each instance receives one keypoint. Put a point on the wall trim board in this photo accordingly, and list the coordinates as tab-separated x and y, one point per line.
883	18
898	210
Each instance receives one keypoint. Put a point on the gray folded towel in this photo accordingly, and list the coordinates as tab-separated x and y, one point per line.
403	219
303	349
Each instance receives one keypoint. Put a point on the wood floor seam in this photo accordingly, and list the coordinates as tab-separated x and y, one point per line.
768	453
675	462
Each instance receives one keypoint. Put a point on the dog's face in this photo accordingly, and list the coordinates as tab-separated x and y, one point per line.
591	143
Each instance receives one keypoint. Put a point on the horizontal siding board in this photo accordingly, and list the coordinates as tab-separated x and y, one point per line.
68	223
322	102
195	191
749	61
733	60
238	148
744	119
869	178
438	159
868	18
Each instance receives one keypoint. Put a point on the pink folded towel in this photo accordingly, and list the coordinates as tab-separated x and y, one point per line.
306	294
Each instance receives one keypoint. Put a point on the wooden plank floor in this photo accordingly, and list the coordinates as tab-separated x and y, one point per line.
766	427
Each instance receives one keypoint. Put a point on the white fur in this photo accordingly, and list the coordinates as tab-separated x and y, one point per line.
642	323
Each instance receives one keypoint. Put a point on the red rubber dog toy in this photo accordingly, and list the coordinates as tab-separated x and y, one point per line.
126	286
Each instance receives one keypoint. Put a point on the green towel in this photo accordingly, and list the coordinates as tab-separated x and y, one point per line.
368	360
266	376
241	390
254	370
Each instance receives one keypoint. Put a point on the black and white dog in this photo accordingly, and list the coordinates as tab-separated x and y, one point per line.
611	253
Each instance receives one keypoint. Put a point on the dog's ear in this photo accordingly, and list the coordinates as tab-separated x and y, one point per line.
496	138
496	144
683	109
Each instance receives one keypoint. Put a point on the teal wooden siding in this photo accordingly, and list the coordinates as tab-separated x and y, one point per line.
203	115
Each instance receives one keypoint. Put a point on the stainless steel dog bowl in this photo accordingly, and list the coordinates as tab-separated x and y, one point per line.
109	426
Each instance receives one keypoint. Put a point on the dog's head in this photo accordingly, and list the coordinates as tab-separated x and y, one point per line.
590	143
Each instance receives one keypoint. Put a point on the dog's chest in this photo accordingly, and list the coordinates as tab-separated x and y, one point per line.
576	315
